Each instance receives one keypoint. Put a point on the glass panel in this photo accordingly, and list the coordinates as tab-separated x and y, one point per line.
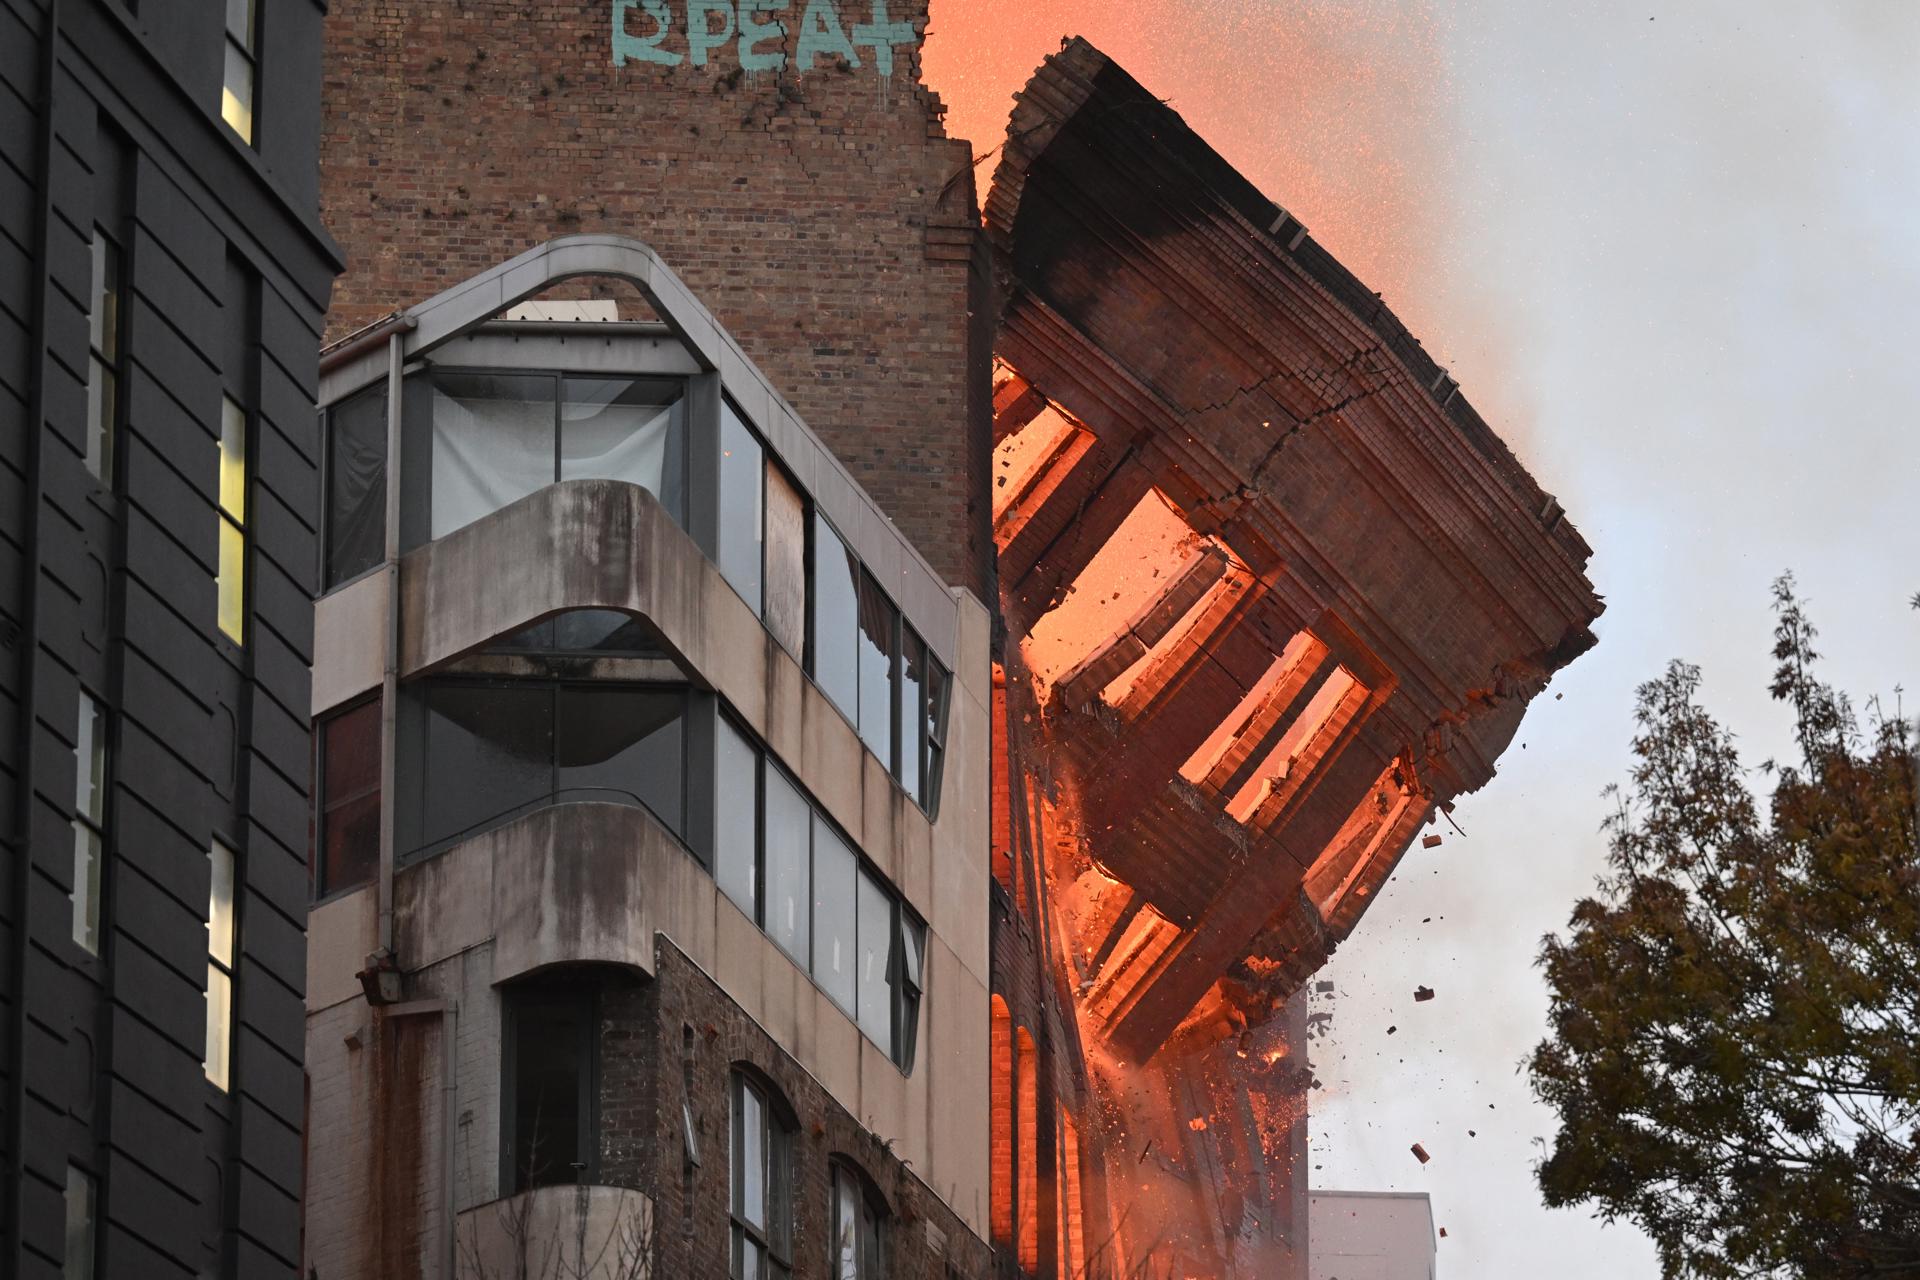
492	444
487	751
219	1024
938	688
750	1261
350	794
786	582
834	870
357	486
913	945
584	631
628	429
102	398
877	623
737	812
753	1159
103	318
742	479
788	824
913	720
80	1229
846	1228
875	962
549	1076
90	762
236	93
86	886
622	746
230	585
836	613
240	21
220	905
233	459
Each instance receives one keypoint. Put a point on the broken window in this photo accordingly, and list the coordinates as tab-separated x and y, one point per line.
786	571
348	841
878	639
761	1177
548	1122
493	438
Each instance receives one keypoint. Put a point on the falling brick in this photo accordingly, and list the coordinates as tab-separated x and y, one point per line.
1431	842
1422	994
1420	1153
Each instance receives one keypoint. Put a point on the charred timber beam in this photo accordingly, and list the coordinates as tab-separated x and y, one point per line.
1085	526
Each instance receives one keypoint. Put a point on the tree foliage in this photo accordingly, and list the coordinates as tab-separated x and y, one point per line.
1733	1050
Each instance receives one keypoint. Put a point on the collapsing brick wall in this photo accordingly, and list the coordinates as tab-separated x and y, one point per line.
1274	595
786	161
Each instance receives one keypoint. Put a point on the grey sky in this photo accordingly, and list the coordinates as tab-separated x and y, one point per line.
1679	268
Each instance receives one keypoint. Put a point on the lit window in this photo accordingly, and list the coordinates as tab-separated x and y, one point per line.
89	820
548	1121
231	583
80	1226
237	89
219	1056
857	1244
103	358
762	1184
349	800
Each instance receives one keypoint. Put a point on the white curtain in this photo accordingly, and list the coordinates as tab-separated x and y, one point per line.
601	441
487	453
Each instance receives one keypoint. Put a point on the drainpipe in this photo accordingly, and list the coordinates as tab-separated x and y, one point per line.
22	834
381	979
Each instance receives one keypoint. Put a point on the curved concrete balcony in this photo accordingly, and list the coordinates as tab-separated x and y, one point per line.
575	883
583	1233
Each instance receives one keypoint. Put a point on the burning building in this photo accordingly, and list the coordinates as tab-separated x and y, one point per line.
846	717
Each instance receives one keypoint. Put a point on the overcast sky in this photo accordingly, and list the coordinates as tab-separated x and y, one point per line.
1671	253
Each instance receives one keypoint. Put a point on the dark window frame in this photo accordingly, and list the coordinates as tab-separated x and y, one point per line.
110	256
870	1231
329	476
324	803
779	1129
584	996
904	1001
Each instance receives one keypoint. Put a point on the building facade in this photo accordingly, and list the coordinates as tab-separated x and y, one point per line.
1231	590
650	933
163	280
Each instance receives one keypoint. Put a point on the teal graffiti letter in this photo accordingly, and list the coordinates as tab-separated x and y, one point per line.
754	32
647	48
701	37
881	35
821	32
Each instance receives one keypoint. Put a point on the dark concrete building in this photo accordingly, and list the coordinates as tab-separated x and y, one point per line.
163	278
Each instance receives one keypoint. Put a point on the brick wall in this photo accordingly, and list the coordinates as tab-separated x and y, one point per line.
821	215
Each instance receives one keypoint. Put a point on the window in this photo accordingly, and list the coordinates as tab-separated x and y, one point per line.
808	888
242	69
548	1121
878	638
743	481
220	937
786	574
494	438
835	874
857	1220
103	358
836	619
231	582
737	816
81	1231
356	485
603	631
761	1174
485	751
349	800
89	820
877	669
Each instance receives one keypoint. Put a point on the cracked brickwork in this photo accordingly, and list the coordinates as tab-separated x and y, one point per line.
822	216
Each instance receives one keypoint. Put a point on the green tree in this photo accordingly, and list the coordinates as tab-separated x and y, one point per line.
1733	1047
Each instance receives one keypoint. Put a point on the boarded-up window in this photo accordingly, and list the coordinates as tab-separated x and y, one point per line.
786	571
